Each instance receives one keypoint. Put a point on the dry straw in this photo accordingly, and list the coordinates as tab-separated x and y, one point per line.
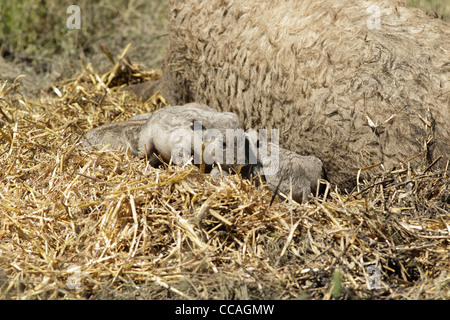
80	224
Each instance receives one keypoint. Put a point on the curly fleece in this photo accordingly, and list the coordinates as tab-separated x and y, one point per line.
355	83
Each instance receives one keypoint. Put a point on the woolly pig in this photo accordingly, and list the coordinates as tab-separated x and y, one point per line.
284	170
354	83
169	132
119	135
172	127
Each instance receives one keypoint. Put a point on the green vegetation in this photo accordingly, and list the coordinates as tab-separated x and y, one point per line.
38	27
442	7
34	37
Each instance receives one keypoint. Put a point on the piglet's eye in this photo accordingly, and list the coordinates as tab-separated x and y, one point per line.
197	125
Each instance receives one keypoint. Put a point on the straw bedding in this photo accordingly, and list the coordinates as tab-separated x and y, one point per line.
79	224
